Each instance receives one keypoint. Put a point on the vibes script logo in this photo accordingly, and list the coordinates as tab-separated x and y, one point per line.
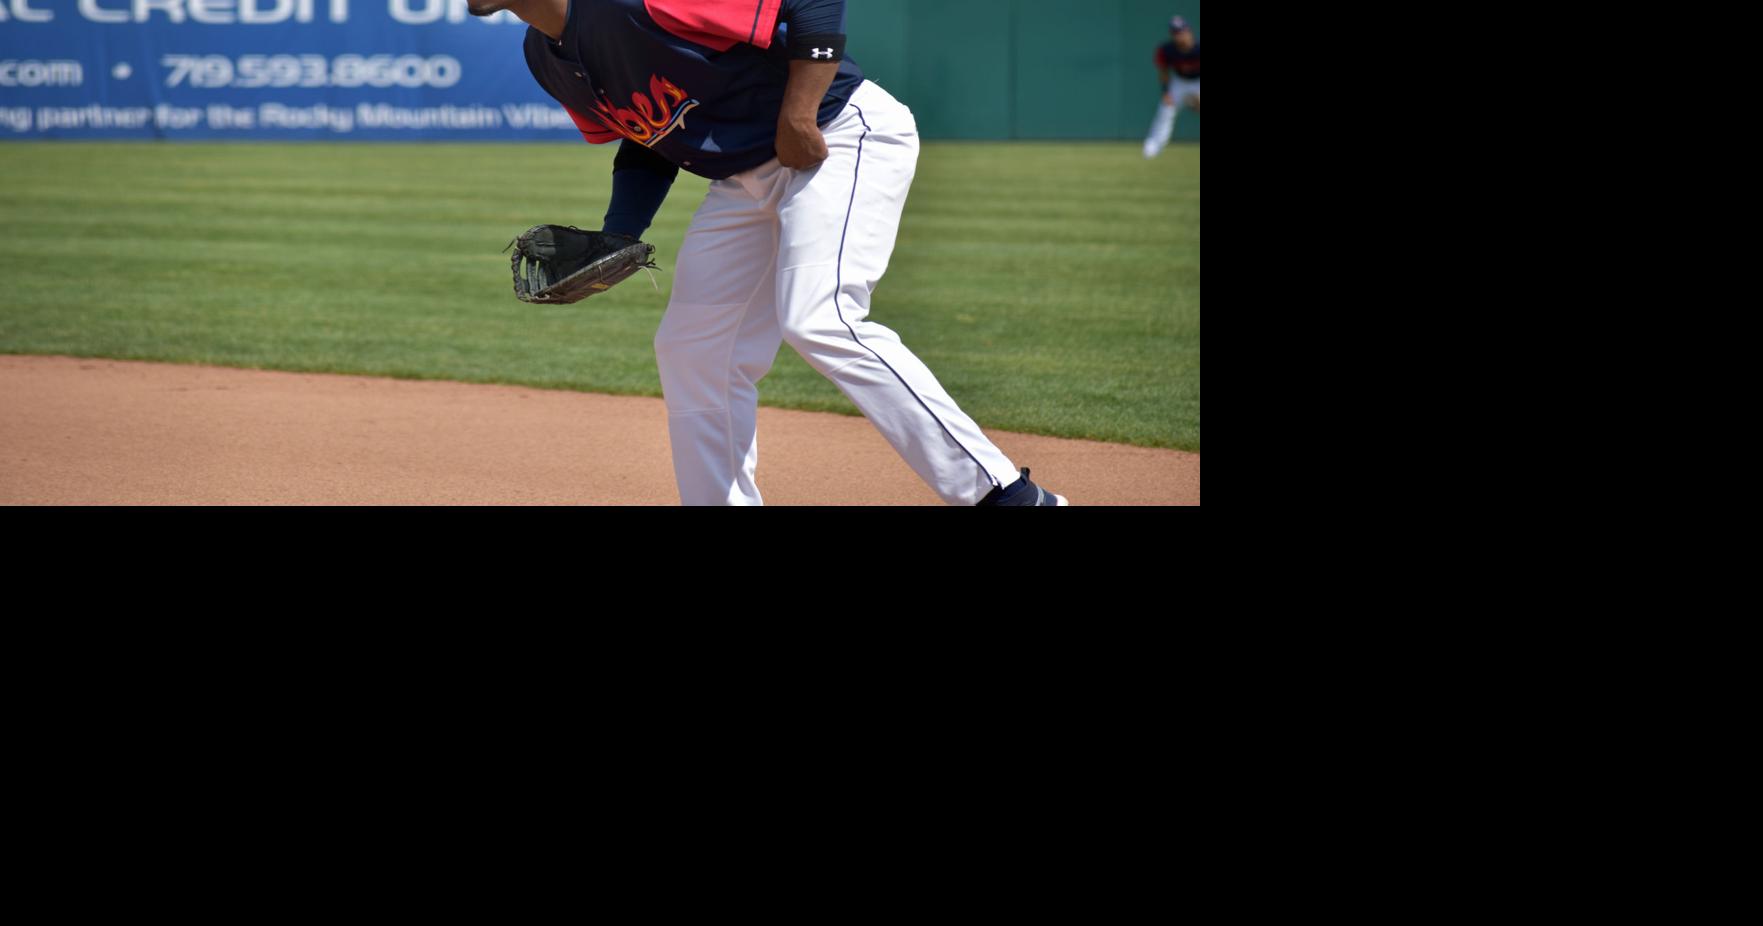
649	118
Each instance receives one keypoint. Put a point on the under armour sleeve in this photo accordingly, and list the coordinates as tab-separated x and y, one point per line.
813	17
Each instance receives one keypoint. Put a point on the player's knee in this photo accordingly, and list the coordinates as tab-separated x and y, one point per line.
805	343
753	369
673	346
799	334
823	348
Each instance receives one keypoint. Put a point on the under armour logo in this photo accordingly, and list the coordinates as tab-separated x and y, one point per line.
823	52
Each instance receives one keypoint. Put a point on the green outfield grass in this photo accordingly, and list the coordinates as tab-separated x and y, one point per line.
1053	288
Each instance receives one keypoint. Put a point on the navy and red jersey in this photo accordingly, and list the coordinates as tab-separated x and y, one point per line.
1185	64
699	82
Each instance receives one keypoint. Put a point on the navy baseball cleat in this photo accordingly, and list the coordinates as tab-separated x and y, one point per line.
1022	493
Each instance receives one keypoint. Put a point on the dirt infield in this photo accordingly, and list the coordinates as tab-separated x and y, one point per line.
103	432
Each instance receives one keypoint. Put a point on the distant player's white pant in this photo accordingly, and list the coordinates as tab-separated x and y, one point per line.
1163	126
775	255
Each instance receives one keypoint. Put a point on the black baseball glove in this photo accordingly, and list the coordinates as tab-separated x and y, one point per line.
561	263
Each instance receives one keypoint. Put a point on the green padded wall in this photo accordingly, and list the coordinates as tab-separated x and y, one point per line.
992	69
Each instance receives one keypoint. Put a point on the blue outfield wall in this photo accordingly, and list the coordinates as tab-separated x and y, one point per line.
372	70
379	70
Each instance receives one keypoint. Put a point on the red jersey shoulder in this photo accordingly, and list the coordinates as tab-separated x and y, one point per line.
718	24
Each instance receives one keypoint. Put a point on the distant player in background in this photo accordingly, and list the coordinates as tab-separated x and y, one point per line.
1178	68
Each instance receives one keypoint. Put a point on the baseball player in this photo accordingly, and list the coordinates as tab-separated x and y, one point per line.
1179	56
810	165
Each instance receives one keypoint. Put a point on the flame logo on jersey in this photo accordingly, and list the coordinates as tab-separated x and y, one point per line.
649	118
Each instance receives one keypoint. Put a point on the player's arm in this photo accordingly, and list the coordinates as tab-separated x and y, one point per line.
640	181
799	142
816	46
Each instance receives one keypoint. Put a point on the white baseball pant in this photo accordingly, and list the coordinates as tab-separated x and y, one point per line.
1163	125
776	255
